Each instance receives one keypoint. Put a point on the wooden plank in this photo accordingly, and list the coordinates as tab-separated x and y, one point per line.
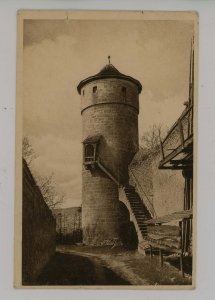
164	230
171	217
158	245
169	242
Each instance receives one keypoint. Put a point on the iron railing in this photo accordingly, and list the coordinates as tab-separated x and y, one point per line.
179	135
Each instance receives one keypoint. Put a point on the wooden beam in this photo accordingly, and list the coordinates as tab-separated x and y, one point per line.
177	151
107	173
181	133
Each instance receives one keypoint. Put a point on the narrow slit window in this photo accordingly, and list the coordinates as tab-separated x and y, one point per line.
94	89
83	93
124	93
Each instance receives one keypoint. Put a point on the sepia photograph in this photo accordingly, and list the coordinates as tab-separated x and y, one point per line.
106	135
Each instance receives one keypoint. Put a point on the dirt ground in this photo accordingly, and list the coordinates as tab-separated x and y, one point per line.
75	270
132	266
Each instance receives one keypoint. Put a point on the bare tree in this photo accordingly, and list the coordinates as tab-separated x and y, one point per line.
47	187
46	184
27	151
150	141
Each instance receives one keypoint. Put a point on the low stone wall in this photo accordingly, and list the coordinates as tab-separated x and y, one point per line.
38	230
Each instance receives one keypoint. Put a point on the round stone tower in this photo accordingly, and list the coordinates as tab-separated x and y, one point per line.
109	108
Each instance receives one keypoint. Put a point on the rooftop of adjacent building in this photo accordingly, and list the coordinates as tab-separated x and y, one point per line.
109	71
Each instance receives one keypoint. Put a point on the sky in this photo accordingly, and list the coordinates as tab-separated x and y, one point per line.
58	54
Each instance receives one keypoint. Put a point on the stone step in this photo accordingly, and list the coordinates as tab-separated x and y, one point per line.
141	218
141	224
142	227
133	198
143	230
129	188
139	214
141	221
129	195
138	207
135	202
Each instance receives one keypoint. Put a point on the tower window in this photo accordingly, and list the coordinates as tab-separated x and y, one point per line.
94	89
89	152
83	93
124	93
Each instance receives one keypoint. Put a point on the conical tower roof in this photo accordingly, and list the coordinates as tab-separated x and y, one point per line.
108	71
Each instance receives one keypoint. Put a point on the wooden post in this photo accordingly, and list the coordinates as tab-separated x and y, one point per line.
161	145
185	235
161	257
181	225
181	265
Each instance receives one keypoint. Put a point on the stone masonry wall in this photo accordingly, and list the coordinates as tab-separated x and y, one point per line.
109	108
118	126
38	229
109	90
100	209
164	188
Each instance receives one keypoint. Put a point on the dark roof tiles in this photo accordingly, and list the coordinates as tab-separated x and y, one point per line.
109	71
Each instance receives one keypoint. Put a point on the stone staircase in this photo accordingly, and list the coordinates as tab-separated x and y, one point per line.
138	208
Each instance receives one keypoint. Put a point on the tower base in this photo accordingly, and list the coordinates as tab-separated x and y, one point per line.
100	210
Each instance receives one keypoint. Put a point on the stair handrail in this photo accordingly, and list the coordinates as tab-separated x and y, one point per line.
141	191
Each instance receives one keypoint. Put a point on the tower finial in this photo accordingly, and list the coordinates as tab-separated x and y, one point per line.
109	59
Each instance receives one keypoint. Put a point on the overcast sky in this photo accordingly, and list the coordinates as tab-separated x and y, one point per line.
59	54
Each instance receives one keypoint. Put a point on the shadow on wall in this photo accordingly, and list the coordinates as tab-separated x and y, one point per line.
128	233
38	229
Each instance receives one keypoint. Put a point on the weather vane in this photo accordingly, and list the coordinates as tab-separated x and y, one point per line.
109	59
